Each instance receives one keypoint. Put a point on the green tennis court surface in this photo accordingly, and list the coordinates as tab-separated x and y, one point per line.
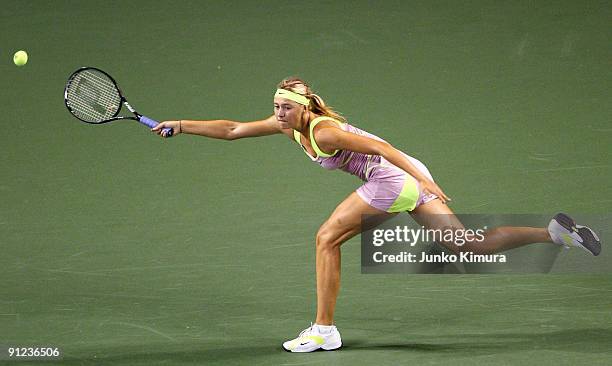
124	249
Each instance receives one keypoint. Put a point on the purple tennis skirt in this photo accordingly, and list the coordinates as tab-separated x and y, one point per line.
386	182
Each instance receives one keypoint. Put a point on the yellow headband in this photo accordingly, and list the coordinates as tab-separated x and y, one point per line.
286	94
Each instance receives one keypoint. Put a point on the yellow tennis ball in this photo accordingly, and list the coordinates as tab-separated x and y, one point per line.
20	58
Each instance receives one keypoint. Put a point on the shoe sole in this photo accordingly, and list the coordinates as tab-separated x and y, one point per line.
590	241
321	349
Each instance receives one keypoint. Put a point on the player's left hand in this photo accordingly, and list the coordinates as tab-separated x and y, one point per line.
429	186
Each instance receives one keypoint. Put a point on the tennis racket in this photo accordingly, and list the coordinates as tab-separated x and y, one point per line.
93	96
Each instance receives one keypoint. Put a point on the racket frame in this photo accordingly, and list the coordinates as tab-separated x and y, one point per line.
167	132
116	116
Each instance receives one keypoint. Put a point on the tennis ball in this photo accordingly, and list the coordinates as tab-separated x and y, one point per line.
20	58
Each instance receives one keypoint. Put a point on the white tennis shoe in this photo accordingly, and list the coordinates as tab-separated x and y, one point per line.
564	231
314	338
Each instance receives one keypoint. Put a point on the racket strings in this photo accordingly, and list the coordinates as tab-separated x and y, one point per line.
93	97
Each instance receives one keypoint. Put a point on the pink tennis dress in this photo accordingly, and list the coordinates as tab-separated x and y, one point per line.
386	187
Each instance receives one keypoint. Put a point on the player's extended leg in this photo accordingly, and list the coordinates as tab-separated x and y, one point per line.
438	216
343	224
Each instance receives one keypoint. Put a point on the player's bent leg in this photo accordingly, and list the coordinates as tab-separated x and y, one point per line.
343	224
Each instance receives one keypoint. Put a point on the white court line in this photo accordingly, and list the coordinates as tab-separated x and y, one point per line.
144	327
567	168
284	246
76	272
300	363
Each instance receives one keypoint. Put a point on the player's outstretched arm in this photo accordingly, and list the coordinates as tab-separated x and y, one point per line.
222	129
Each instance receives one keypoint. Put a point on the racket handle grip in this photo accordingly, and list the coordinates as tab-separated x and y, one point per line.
167	132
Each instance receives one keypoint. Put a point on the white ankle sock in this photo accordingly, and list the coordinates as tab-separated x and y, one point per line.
324	328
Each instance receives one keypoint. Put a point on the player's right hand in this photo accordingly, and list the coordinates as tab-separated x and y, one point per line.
174	125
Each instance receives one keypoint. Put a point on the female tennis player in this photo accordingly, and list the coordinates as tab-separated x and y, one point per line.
393	182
